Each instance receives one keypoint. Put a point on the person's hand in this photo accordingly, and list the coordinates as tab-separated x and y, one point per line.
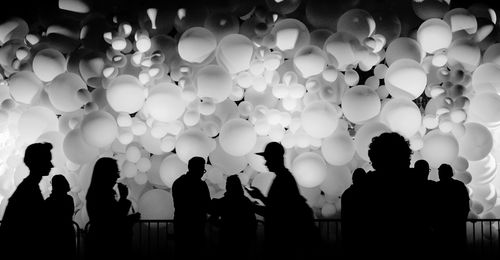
255	192
123	190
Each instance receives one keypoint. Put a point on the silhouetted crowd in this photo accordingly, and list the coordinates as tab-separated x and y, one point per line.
392	212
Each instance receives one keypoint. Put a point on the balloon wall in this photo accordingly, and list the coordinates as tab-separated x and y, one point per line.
220	82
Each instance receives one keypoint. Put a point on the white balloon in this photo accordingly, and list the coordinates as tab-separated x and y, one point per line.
172	168
48	63
193	142
406	78
156	204
34	122
165	102
309	169
76	149
476	143
227	163
364	137
125	93
196	45
338	179
213	82
319	119
434	34
24	86
234	53
402	116
237	137
360	103
439	148
99	129
338	148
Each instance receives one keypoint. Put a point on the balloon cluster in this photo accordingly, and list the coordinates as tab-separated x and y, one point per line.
221	85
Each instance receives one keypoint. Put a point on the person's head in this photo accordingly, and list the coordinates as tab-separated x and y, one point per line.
389	152
422	169
59	184
445	172
38	158
233	186
274	155
105	174
358	175
196	166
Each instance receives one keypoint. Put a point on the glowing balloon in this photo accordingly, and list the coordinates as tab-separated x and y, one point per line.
125	93
426	9
234	53
404	48
192	142
401	115
483	171
290	34
165	102
364	137
338	148
476	143
24	86
439	148
197	45
227	163
434	34
309	169
63	92
465	53
486	78
213	82
406	78
99	129
309	61
360	103
343	47
172	168
156	204
319	119
358	22
485	107
76	149
34	122
237	137
48	63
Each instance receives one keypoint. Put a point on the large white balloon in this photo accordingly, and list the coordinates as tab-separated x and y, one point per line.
237	137
319	119
338	179
360	103
193	142
309	169
439	148
434	34
364	137
402	116
197	45
63	92
213	82
485	107
338	148
76	149
309	61
476	143
34	122
99	129
229	164
125	93
48	63
406	78
156	204
165	102
234	53
25	86
172	168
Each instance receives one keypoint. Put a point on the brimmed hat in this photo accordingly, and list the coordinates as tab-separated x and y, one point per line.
272	149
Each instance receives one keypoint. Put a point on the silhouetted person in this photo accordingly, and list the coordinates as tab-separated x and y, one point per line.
290	232
235	215
127	223
353	212
391	199
425	199
59	208
106	214
453	208
191	203
22	230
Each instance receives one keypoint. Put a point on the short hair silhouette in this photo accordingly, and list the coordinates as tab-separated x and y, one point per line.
60	184
36	155
389	151
422	169
358	175
196	165
445	172
273	149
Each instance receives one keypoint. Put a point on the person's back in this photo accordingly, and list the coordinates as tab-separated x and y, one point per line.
453	207
353	207
22	229
59	207
191	202
237	221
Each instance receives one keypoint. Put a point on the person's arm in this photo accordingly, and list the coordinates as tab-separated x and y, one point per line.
256	194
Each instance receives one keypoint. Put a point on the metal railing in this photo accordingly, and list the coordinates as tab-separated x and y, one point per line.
154	239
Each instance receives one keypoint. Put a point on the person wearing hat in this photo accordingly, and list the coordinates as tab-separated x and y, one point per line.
289	222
